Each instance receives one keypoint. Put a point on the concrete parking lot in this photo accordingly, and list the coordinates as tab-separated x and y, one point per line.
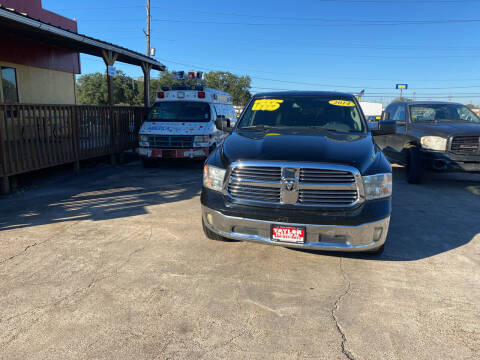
113	264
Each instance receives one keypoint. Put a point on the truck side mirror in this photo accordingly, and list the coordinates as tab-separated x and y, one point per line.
223	124
385	116
385	127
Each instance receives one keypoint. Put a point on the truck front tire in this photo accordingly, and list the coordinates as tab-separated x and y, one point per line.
211	235
148	163
378	251
414	166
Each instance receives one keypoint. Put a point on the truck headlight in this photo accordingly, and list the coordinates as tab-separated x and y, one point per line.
201	140
213	177
377	186
143	141
434	143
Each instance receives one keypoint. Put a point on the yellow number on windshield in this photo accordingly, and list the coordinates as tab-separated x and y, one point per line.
341	103
266	104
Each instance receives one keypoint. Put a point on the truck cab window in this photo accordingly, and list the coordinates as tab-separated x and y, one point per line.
399	114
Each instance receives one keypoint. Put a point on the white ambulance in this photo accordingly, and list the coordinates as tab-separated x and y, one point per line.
181	124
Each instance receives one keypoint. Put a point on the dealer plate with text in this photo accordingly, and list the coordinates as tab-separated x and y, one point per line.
288	234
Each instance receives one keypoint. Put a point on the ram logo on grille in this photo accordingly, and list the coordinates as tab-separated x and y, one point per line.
286	183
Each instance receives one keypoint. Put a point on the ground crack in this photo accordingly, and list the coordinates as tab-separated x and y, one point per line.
348	354
23	252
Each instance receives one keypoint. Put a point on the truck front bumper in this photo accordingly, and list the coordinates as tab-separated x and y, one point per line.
448	162
153	153
364	237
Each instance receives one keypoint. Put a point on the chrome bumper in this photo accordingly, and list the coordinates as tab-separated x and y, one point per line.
365	237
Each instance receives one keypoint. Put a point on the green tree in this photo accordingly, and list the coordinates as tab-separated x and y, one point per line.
237	86
92	89
399	99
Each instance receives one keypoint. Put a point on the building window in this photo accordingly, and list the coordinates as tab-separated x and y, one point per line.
9	85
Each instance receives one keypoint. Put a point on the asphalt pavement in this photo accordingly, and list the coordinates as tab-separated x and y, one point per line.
113	264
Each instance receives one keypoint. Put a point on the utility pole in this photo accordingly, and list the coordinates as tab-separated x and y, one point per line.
147	33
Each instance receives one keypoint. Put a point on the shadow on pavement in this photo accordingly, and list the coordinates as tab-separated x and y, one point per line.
428	219
111	193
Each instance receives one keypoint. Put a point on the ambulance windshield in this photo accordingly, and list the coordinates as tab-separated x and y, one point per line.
180	111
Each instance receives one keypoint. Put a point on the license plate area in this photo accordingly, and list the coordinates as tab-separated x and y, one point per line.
288	234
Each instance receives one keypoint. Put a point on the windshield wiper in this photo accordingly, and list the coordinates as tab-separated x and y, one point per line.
255	127
327	129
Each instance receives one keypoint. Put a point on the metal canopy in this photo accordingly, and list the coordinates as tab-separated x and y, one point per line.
20	24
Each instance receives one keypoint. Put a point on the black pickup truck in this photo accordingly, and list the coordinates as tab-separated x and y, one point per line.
300	169
441	136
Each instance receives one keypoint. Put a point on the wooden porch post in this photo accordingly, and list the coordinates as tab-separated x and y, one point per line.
146	83
5	182
109	57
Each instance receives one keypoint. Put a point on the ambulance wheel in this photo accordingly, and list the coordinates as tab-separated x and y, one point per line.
148	163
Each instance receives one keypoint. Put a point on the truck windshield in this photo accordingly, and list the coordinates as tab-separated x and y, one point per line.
442	112
323	112
180	111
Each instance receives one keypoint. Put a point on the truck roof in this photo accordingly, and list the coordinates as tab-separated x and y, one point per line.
429	102
209	95
302	92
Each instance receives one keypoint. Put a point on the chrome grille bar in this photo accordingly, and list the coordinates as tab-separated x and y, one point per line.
465	144
275	182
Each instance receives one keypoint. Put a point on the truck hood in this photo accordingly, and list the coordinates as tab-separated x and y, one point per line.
177	128
307	145
446	128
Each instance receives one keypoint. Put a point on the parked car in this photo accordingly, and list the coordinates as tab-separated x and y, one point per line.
441	136
373	118
300	169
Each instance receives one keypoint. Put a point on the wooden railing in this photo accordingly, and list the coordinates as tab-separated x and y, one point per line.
34	137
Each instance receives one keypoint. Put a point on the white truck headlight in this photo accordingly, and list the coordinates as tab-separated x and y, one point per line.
213	177
377	186
143	137
201	140
434	143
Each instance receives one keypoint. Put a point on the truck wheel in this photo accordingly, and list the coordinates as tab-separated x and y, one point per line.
211	235
148	163
414	166
378	251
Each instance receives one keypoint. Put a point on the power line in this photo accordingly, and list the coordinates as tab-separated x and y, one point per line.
309	43
316	84
245	71
332	22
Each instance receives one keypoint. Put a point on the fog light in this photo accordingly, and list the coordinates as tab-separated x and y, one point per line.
210	219
377	234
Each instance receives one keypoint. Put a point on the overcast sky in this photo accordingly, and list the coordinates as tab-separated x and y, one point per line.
344	45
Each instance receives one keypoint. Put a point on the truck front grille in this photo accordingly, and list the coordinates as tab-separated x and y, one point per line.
171	142
326	197
294	184
465	144
263	173
255	193
319	176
